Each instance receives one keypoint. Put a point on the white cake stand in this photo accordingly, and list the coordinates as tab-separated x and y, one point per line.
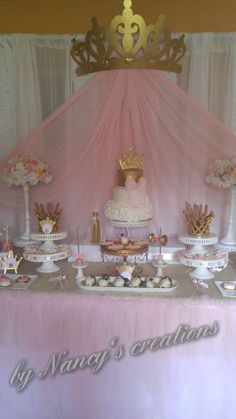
37	254
48	239
128	225
198	243
202	265
159	267
18	242
80	273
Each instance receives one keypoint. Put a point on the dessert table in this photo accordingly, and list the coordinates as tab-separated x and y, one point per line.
112	370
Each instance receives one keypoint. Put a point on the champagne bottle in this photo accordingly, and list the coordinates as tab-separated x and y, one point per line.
96	233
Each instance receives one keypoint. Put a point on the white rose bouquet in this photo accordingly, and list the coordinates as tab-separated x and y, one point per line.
222	173
26	169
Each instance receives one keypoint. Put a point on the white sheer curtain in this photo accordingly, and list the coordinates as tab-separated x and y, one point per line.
209	74
7	97
37	75
35	78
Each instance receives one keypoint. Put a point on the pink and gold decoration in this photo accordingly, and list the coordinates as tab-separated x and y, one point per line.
48	216
198	219
222	173
26	170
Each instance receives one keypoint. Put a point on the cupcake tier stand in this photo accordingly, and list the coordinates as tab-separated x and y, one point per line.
198	243
202	265
48	252
48	239
200	258
47	259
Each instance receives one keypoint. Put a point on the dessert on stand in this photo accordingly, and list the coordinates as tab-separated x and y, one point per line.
116	250
201	254
204	263
79	264
47	257
48	252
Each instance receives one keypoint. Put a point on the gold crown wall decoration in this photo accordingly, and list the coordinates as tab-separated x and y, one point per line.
198	220
128	43
132	161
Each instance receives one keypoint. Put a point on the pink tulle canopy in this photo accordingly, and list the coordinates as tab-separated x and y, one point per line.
116	110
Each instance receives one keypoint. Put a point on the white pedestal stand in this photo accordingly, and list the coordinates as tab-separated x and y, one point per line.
48	252
159	270
26	234
199	258
18	242
198	243
129	226
48	239
80	273
230	238
25	240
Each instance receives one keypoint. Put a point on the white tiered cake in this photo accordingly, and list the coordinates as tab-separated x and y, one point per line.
130	201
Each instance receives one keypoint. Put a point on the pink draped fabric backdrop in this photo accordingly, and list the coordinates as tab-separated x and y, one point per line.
83	139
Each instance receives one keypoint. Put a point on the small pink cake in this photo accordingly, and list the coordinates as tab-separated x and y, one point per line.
4	281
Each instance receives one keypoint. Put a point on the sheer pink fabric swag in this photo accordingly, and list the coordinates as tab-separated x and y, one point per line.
83	139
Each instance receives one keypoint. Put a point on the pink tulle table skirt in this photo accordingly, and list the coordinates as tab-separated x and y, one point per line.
184	381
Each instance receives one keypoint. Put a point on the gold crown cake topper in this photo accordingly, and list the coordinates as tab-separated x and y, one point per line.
132	161
198	220
128	43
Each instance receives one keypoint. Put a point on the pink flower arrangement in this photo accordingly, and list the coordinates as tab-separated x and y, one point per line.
222	173
27	169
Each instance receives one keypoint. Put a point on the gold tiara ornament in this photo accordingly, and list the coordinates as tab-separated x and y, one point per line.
128	43
132	161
